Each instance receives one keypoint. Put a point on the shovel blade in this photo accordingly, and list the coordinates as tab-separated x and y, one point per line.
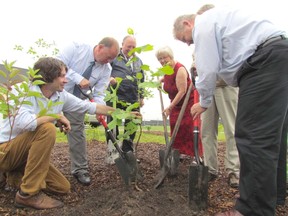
128	168
161	176
198	187
123	169
172	161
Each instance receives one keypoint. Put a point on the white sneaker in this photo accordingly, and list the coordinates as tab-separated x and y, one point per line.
112	153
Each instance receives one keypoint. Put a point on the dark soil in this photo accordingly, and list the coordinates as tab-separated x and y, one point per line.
108	195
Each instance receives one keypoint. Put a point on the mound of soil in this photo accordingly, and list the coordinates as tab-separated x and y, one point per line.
108	195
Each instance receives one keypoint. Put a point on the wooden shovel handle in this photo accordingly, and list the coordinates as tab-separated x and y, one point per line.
163	118
178	122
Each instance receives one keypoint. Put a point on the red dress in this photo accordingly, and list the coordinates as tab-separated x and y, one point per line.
184	138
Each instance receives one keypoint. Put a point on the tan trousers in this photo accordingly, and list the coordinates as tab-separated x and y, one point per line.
224	105
28	157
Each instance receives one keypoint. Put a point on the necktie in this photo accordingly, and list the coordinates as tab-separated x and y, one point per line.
86	75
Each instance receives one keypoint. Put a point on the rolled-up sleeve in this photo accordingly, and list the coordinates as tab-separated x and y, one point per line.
74	104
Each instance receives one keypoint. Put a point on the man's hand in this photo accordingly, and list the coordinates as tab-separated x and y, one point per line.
84	83
137	114
63	124
141	102
113	81
196	110
98	117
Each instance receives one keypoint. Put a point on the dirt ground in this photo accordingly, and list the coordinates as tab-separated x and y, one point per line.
108	196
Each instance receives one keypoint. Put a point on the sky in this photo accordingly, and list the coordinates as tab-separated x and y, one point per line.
62	21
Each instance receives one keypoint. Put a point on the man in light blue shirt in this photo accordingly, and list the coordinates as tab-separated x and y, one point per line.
250	52
78	57
26	150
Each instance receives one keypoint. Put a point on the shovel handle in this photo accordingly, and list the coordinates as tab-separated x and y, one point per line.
196	122
163	118
111	135
88	95
196	131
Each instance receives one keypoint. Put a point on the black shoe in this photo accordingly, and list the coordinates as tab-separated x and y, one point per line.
212	177
127	146
83	178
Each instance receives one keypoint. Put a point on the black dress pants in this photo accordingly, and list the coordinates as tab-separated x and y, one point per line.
261	127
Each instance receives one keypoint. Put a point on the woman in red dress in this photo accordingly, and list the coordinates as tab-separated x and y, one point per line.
176	85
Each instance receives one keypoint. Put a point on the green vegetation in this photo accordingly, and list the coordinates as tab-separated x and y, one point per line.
147	136
98	134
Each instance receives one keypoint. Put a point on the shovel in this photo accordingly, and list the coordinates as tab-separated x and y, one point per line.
173	159
126	163
166	165
198	173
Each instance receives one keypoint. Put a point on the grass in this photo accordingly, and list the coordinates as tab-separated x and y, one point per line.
98	134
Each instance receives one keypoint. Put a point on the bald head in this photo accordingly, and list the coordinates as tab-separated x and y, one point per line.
106	50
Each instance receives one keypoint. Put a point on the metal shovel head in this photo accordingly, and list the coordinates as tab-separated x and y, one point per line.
172	161
161	175
127	167
198	187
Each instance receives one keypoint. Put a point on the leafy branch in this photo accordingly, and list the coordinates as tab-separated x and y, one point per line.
15	89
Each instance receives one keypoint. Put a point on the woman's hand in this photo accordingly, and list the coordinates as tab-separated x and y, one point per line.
167	111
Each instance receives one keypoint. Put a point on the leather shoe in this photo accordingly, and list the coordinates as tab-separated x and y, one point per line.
38	201
232	212
83	178
233	180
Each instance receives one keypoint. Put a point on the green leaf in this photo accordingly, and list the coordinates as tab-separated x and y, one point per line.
38	82
167	69
130	31
3	74
147	47
53	115
57	103
145	67
139	76
43	112
27	103
24	86
112	124
137	121
130	78
149	84
14	72
132	107
34	94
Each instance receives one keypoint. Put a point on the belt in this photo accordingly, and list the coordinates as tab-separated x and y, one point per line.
271	40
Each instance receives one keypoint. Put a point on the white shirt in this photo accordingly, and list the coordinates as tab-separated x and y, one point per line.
26	118
224	39
77	57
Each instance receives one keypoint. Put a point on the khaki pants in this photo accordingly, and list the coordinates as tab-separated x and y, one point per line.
224	105
28	157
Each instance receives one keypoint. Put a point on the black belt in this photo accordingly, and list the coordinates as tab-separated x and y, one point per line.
271	40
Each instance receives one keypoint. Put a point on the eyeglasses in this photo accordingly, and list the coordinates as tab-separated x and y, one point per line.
163	58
